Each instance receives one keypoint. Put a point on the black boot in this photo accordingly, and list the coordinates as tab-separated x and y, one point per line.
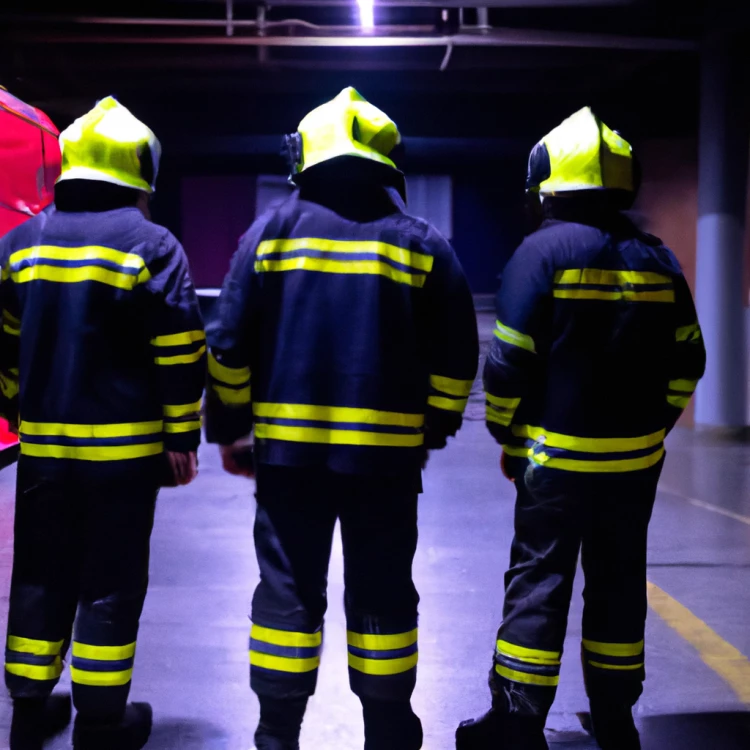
280	723
499	730
613	727
130	733
391	725
37	719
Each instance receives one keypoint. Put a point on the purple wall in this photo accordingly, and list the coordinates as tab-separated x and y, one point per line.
216	211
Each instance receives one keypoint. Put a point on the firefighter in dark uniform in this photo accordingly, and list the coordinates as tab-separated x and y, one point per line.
597	351
353	324
103	356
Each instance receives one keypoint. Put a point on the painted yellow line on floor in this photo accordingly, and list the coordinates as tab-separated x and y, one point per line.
707	506
722	657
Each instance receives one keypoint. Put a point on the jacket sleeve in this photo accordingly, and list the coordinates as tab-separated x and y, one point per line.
523	319
178	345
688	362
9	348
229	412
452	346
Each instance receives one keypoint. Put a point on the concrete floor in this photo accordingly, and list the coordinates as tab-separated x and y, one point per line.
192	651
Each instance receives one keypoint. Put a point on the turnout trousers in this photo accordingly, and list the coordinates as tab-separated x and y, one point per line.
81	554
294	526
558	515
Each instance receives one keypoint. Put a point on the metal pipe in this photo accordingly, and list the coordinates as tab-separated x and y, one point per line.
458	3
263	52
483	19
230	17
497	37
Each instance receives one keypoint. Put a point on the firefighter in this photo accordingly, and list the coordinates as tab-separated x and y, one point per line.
347	341
596	353
103	356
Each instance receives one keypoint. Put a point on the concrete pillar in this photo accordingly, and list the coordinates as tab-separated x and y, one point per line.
724	142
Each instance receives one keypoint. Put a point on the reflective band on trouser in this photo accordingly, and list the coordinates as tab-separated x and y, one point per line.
514	338
337	425
399	264
383	665
615	657
180	418
284	650
613	286
71	265
9	383
179	348
680	392
91	442
32	664
231	385
11	324
528	666
689	334
501	410
102	666
449	394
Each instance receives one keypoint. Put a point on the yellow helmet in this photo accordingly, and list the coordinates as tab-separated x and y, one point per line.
581	154
110	144
346	126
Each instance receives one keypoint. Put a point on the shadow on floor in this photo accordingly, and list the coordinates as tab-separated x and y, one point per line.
187	734
723	731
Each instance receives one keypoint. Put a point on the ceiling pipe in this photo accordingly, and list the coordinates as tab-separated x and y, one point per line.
230	17
483	19
497	37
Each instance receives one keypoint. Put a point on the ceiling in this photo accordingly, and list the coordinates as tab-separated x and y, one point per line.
213	77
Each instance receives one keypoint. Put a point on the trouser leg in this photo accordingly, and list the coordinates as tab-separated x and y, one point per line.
114	580
294	525
538	589
379	530
43	587
614	564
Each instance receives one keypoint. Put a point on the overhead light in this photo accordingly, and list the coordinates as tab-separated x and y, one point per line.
367	13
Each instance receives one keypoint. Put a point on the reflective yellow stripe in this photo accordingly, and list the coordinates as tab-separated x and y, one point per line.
36	672
228	375
589	445
516	338
31	646
92	453
177	427
517	451
8	385
368	267
12	319
101	679
283	663
420	261
175	411
606	277
451	386
232	396
286	637
125	429
382	667
179	339
689	333
76	275
337	414
11	324
683	385
181	359
527	678
679	402
530	655
665	295
372	642
89	252
11	331
503	403
103	653
616	667
448	404
596	467
336	437
504	419
614	649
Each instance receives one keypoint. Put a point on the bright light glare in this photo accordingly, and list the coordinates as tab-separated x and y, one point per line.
366	13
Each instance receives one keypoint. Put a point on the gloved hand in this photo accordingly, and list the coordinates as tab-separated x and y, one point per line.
504	467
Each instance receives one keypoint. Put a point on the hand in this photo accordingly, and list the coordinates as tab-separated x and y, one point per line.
231	460
184	466
504	467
